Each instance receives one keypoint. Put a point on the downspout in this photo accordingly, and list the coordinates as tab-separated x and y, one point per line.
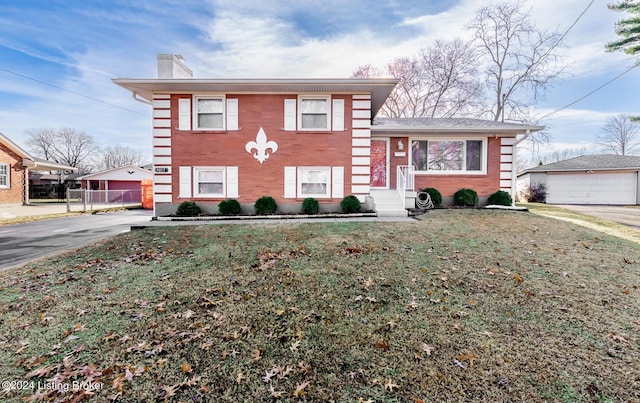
514	165
135	96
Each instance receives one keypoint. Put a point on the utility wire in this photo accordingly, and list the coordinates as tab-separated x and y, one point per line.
73	92
590	93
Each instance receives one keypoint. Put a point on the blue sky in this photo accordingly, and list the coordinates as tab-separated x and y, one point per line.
57	57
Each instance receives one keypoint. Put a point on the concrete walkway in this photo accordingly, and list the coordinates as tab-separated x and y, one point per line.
50	209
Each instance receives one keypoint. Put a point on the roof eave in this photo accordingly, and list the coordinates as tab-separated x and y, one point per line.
380	88
463	129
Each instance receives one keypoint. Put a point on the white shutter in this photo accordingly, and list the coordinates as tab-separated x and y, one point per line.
232	182
337	182
290	185
184	114
338	115
185	182
232	114
290	114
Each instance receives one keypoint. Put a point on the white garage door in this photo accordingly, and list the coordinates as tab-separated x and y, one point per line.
595	188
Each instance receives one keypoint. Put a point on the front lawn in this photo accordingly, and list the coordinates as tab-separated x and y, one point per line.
462	305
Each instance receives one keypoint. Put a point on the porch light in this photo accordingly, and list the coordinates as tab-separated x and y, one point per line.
400	145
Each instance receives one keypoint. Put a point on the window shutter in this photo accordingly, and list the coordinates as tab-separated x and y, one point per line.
290	182
232	182
185	182
184	114
337	182
338	115
290	114
232	114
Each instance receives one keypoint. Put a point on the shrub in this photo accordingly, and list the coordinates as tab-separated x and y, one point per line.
229	207
436	197
536	193
500	198
310	206
465	198
350	204
265	205
188	209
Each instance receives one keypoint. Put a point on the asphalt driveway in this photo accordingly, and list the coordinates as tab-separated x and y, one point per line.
20	243
628	216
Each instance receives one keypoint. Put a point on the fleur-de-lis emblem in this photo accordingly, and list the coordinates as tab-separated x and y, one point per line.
261	145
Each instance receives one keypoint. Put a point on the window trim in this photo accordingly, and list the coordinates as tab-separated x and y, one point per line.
327	98
7	176
299	172
222	98
483	156
196	182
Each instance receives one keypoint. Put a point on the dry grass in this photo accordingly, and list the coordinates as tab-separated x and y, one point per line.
465	305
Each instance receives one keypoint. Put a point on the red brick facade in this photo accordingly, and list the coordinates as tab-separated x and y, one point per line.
14	194
227	148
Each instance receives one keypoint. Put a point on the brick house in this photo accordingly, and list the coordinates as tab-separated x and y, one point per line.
15	165
215	139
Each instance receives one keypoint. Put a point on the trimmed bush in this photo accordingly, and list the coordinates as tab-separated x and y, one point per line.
436	197
310	206
465	198
350	204
265	205
229	207
188	209
500	198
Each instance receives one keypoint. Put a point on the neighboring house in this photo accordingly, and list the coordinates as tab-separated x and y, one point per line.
15	166
118	184
291	139
588	179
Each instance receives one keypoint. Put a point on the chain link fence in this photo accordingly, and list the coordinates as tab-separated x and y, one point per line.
86	200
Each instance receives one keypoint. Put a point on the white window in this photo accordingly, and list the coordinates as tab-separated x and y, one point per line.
314	182
209	182
4	176
449	156
208	112
314	112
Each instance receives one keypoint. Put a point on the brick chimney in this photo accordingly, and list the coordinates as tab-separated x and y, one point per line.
172	66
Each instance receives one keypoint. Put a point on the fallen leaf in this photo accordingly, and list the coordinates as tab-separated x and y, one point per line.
300	389
294	346
186	368
275	393
390	385
239	377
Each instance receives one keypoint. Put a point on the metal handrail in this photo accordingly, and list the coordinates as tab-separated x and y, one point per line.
405	180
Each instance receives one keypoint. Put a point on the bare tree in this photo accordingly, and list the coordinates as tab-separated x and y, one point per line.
40	141
621	135
118	156
520	60
65	146
440	81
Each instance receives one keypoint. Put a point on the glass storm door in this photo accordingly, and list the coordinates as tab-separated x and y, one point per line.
379	163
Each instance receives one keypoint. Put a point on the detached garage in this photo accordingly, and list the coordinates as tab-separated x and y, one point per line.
588	179
121	184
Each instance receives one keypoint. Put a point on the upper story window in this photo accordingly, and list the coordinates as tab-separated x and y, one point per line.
314	112
449	156
209	112
4	175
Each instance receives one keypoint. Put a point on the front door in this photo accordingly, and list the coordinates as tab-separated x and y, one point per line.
380	163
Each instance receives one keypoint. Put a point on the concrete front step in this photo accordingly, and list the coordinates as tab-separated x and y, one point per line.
388	203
